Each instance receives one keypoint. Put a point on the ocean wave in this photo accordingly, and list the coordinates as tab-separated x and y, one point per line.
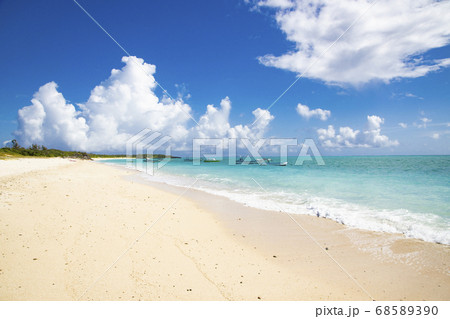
427	227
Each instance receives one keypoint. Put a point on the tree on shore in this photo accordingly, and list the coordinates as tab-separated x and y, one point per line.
15	144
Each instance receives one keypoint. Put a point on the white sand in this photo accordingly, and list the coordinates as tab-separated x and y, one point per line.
25	165
66	229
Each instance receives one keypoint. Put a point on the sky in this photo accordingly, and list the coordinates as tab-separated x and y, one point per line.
368	78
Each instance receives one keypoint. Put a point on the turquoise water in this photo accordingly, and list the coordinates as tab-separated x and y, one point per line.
398	194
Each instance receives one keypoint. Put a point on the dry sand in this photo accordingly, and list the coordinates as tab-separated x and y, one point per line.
68	231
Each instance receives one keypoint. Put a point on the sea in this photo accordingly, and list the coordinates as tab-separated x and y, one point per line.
395	194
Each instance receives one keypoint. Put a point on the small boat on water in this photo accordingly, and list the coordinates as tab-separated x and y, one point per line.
152	159
211	160
253	161
278	163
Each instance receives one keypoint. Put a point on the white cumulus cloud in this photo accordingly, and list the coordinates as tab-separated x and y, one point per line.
50	119
348	137
403	125
215	123
283	4
255	131
387	42
120	107
305	112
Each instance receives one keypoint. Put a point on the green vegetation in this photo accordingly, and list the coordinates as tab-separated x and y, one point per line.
15	150
38	151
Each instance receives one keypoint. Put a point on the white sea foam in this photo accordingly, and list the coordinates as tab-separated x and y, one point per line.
427	227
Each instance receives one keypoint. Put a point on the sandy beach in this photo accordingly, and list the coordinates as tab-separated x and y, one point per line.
83	230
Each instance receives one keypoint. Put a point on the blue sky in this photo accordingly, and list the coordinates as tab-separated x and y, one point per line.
205	51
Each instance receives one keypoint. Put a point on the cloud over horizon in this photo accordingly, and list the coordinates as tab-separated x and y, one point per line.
350	138
120	107
386	43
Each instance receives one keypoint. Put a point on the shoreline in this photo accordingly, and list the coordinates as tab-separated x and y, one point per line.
77	218
279	233
376	226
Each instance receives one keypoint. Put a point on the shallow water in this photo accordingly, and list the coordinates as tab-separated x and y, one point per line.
397	194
